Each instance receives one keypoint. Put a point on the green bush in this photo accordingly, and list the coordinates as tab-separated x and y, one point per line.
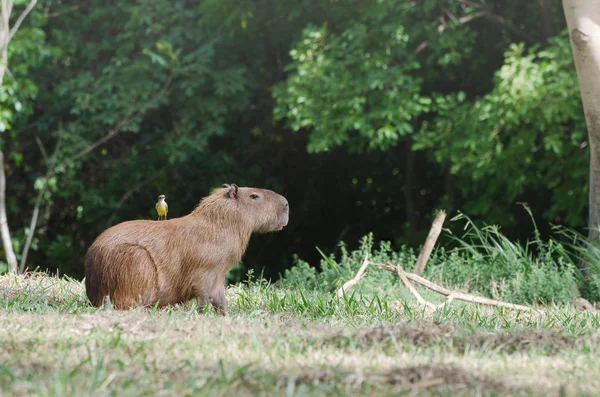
482	261
587	254
535	271
333	273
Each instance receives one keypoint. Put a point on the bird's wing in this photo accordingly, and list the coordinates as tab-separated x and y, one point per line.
166	207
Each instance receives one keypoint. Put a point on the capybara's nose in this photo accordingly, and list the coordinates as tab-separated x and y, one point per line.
286	205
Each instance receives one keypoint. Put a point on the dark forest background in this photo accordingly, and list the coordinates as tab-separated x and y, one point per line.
368	115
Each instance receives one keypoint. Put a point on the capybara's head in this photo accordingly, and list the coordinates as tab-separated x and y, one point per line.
263	210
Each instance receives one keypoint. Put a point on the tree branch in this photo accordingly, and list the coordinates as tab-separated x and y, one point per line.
442	27
4	230
125	197
42	149
38	203
32	226
21	18
115	131
434	233
359	275
402	274
488	14
59	13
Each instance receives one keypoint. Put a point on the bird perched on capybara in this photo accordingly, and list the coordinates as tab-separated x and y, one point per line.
144	262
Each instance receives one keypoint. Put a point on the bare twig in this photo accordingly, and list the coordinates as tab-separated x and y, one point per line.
434	232
42	149
124	198
488	14
469	18
65	11
359	275
115	131
442	27
421	47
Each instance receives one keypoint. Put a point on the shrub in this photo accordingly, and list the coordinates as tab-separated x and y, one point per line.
482	261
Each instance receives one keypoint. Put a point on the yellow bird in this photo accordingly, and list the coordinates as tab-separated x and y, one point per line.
161	207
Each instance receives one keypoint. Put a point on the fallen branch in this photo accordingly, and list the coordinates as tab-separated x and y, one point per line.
412	288
406	277
451	294
359	275
434	233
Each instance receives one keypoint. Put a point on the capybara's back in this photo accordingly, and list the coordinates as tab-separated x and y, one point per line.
165	262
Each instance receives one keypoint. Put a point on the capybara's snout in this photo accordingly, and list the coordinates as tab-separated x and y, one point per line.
285	212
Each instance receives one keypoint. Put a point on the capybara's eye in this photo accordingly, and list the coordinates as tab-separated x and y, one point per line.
254	196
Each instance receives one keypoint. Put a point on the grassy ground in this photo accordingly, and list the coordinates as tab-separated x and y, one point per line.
287	342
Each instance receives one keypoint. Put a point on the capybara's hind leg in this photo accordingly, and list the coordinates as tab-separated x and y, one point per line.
136	282
217	297
201	293
202	301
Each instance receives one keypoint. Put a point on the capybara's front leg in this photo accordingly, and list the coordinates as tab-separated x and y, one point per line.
202	301
217	297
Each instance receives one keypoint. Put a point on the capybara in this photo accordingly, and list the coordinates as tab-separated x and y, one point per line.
146	262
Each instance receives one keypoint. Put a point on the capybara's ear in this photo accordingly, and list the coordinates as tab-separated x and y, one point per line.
233	190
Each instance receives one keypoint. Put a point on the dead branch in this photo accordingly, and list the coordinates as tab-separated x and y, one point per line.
359	275
406	278
434	233
452	294
400	271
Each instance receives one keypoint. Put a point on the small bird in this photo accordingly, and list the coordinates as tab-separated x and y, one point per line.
161	207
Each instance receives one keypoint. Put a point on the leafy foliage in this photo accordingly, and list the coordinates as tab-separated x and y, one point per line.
533	117
363	75
484	261
366	115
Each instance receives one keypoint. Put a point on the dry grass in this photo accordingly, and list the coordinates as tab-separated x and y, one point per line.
53	343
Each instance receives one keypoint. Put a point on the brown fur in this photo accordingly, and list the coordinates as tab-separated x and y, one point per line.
145	262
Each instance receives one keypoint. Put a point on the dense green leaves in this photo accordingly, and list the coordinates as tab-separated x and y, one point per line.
354	88
525	134
366	115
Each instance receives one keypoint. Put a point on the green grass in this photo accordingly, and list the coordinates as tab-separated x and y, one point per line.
288	341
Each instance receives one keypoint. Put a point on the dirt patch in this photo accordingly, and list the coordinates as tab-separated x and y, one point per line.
418	377
462	340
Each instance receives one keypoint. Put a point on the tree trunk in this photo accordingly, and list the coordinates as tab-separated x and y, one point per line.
5	11
6	241
546	18
583	22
